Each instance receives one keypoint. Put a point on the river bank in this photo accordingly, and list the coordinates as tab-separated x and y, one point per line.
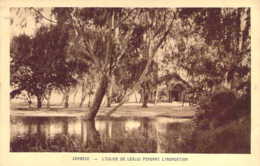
171	110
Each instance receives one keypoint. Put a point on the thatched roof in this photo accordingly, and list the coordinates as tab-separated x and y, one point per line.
173	76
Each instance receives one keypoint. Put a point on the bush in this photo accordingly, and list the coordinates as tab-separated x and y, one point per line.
222	124
221	108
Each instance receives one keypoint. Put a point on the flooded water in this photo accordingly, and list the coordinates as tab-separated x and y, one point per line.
66	134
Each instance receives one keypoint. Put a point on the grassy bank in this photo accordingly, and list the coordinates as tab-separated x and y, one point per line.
174	110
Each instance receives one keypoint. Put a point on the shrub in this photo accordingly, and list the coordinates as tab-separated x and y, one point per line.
222	124
220	108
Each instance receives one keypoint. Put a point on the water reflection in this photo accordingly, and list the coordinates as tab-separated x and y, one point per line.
115	135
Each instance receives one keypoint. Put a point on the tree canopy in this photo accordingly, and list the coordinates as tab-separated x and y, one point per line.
132	48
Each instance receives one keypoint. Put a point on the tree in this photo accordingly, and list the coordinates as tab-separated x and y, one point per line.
155	26
105	37
211	44
87	87
38	64
112	39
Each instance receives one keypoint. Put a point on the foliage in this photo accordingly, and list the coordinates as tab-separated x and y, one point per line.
220	109
39	63
208	46
211	43
233	137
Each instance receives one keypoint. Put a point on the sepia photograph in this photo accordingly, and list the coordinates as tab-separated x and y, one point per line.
130	80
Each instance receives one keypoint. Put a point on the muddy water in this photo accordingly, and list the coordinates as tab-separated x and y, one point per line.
66	134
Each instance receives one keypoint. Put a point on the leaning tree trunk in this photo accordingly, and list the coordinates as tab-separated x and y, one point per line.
108	100
39	101
109	95
83	98
99	95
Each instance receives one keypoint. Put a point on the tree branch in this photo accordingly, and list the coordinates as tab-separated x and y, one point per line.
44	17
151	54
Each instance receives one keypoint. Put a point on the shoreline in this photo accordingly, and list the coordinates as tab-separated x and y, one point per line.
126	111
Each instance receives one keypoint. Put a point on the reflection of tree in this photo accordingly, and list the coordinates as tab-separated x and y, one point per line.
161	134
65	126
171	137
56	135
90	136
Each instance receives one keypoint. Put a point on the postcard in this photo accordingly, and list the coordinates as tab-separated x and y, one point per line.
129	82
